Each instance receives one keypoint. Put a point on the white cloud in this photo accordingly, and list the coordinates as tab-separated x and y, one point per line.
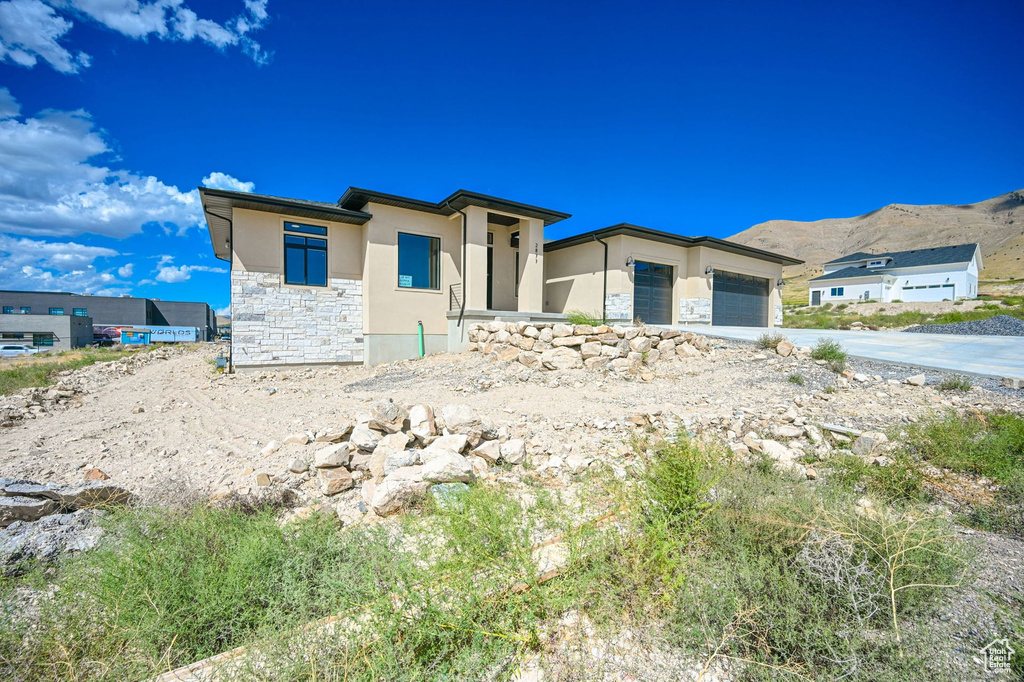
57	266
217	180
223	312
172	274
51	185
9	107
31	30
126	270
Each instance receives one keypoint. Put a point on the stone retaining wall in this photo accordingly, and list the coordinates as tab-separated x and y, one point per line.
565	346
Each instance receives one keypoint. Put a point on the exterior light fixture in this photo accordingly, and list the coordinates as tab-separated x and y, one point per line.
780	283
630	262
709	271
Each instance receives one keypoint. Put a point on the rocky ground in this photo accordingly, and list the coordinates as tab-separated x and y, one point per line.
166	425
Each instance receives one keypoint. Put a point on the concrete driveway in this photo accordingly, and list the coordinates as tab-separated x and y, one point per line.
987	356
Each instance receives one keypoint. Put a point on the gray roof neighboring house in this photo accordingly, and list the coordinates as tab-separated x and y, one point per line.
940	255
900	260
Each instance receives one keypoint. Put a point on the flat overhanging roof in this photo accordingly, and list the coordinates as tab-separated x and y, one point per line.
356	199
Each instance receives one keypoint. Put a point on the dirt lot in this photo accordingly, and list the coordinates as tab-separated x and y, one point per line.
177	424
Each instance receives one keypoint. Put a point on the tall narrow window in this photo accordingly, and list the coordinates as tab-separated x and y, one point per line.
419	261
515	277
305	258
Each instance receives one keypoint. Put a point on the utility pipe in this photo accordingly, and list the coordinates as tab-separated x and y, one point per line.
420	329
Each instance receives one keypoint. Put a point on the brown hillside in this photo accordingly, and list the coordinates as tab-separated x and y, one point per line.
997	224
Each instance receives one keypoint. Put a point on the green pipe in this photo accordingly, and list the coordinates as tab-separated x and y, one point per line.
420	327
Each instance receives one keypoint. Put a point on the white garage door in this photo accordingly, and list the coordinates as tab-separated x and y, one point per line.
932	292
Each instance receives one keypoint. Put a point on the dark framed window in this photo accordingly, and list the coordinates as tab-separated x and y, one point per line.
305	260
25	310
419	261
837	291
306	229
56	311
8	310
515	277
42	339
12	335
81	312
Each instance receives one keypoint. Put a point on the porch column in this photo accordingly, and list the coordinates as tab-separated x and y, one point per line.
531	263
474	280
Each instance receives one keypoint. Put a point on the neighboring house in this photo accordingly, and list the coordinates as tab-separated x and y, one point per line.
350	282
944	273
113	311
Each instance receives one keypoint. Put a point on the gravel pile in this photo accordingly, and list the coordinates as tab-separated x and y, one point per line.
1000	325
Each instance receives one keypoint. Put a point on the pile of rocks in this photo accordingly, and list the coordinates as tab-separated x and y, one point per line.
394	453
571	346
41	522
71	385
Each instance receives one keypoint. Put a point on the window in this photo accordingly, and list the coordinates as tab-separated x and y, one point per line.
305	260
42	339
515	278
837	291
25	310
419	261
81	312
12	335
56	311
306	229
8	310
490	239
876	264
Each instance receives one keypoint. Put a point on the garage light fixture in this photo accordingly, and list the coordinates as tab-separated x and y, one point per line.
780	283
709	271
630	262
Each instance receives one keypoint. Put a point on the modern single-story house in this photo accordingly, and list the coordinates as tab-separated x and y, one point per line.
359	280
944	273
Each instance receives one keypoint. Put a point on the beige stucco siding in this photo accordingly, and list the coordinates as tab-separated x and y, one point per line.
394	310
572	278
258	244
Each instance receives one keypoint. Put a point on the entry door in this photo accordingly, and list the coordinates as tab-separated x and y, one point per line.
815	298
652	293
739	300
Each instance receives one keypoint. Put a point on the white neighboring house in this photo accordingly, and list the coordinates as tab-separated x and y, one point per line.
945	273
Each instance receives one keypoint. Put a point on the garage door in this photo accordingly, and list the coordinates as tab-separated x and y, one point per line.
932	292
652	293
739	300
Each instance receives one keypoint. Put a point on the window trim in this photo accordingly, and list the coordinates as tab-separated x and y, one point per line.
286	232
440	262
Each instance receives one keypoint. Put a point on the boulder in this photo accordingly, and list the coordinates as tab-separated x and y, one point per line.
666	346
785	348
297	439
460	418
566	341
334	434
387	446
777	451
916	380
337	455
396	460
591	349
298	466
508	354
561	358
447	467
95	474
561	330
395	492
16	508
455	442
421	422
364	438
529	359
787	431
271	447
640	344
869	443
596	363
513	451
489	450
334	481
387	417
686	350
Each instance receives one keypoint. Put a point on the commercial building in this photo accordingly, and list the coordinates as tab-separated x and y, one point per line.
49	332
112	311
351	282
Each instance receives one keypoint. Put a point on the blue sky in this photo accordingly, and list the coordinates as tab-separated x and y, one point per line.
697	118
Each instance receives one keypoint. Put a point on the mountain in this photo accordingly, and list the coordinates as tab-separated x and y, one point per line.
997	224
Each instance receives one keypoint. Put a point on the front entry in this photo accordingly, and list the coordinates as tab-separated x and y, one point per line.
815	298
652	293
739	300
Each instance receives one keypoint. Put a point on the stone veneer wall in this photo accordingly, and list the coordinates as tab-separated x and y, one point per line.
273	324
619	307
695	310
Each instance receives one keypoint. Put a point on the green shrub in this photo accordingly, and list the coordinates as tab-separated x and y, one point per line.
899	481
991	445
955	382
40	369
769	341
797	379
581	317
831	352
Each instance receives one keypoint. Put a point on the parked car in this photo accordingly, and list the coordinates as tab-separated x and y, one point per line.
12	351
